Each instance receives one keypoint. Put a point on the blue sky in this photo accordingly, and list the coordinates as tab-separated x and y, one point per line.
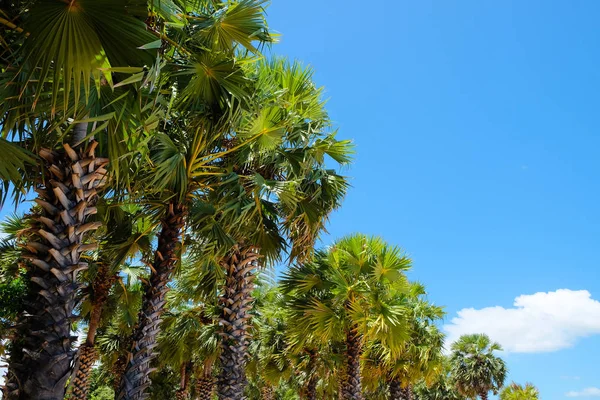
476	125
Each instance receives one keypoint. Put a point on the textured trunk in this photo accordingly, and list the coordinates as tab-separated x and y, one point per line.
353	385
205	386
66	196
236	302
267	392
137	374
396	391
311	388
484	395
183	391
87	352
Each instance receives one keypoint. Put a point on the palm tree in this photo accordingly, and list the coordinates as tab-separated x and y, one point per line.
129	237
208	75
350	293
440	388
515	391
418	358
475	368
280	192
52	52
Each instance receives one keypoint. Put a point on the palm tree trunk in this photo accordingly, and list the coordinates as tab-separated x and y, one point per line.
311	386
396	392
87	352
183	392
267	392
236	302
137	374
205	386
66	196
353	382
483	395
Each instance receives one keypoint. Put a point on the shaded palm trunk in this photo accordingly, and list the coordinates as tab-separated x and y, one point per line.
484	395
87	352
137	373
395	389
236	302
267	392
40	364
352	388
183	393
311	385
205	386
311	388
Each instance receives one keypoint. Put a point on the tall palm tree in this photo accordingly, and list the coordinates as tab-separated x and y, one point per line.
208	77
280	191
350	293
475	368
514	391
52	52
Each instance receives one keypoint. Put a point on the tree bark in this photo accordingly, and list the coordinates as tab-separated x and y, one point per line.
311	386
137	374
205	386
87	352
66	195
395	390
183	393
267	392
236	302
353	381
484	395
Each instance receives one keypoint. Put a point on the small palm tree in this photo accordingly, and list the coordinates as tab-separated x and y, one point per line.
519	392
349	293
442	387
475	368
419	357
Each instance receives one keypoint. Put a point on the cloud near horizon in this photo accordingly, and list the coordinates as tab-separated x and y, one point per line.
588	392
540	322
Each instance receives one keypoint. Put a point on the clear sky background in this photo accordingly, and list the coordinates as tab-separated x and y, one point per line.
477	126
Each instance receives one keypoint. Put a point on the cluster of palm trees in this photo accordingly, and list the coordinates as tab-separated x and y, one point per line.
169	160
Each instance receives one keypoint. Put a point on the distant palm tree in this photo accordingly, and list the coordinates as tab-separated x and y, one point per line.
441	388
519	392
475	368
349	294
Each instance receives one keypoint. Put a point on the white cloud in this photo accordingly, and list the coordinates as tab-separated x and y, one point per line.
588	392
540	322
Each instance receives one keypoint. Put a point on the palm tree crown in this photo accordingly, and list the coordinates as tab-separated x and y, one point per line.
475	367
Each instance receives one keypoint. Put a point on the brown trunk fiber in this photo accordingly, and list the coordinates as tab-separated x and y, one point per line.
267	392
66	196
205	386
396	392
183	391
236	302
79	386
353	383
484	395
311	386
137	374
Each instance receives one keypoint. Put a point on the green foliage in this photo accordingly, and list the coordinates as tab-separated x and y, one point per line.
475	368
515	391
102	393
